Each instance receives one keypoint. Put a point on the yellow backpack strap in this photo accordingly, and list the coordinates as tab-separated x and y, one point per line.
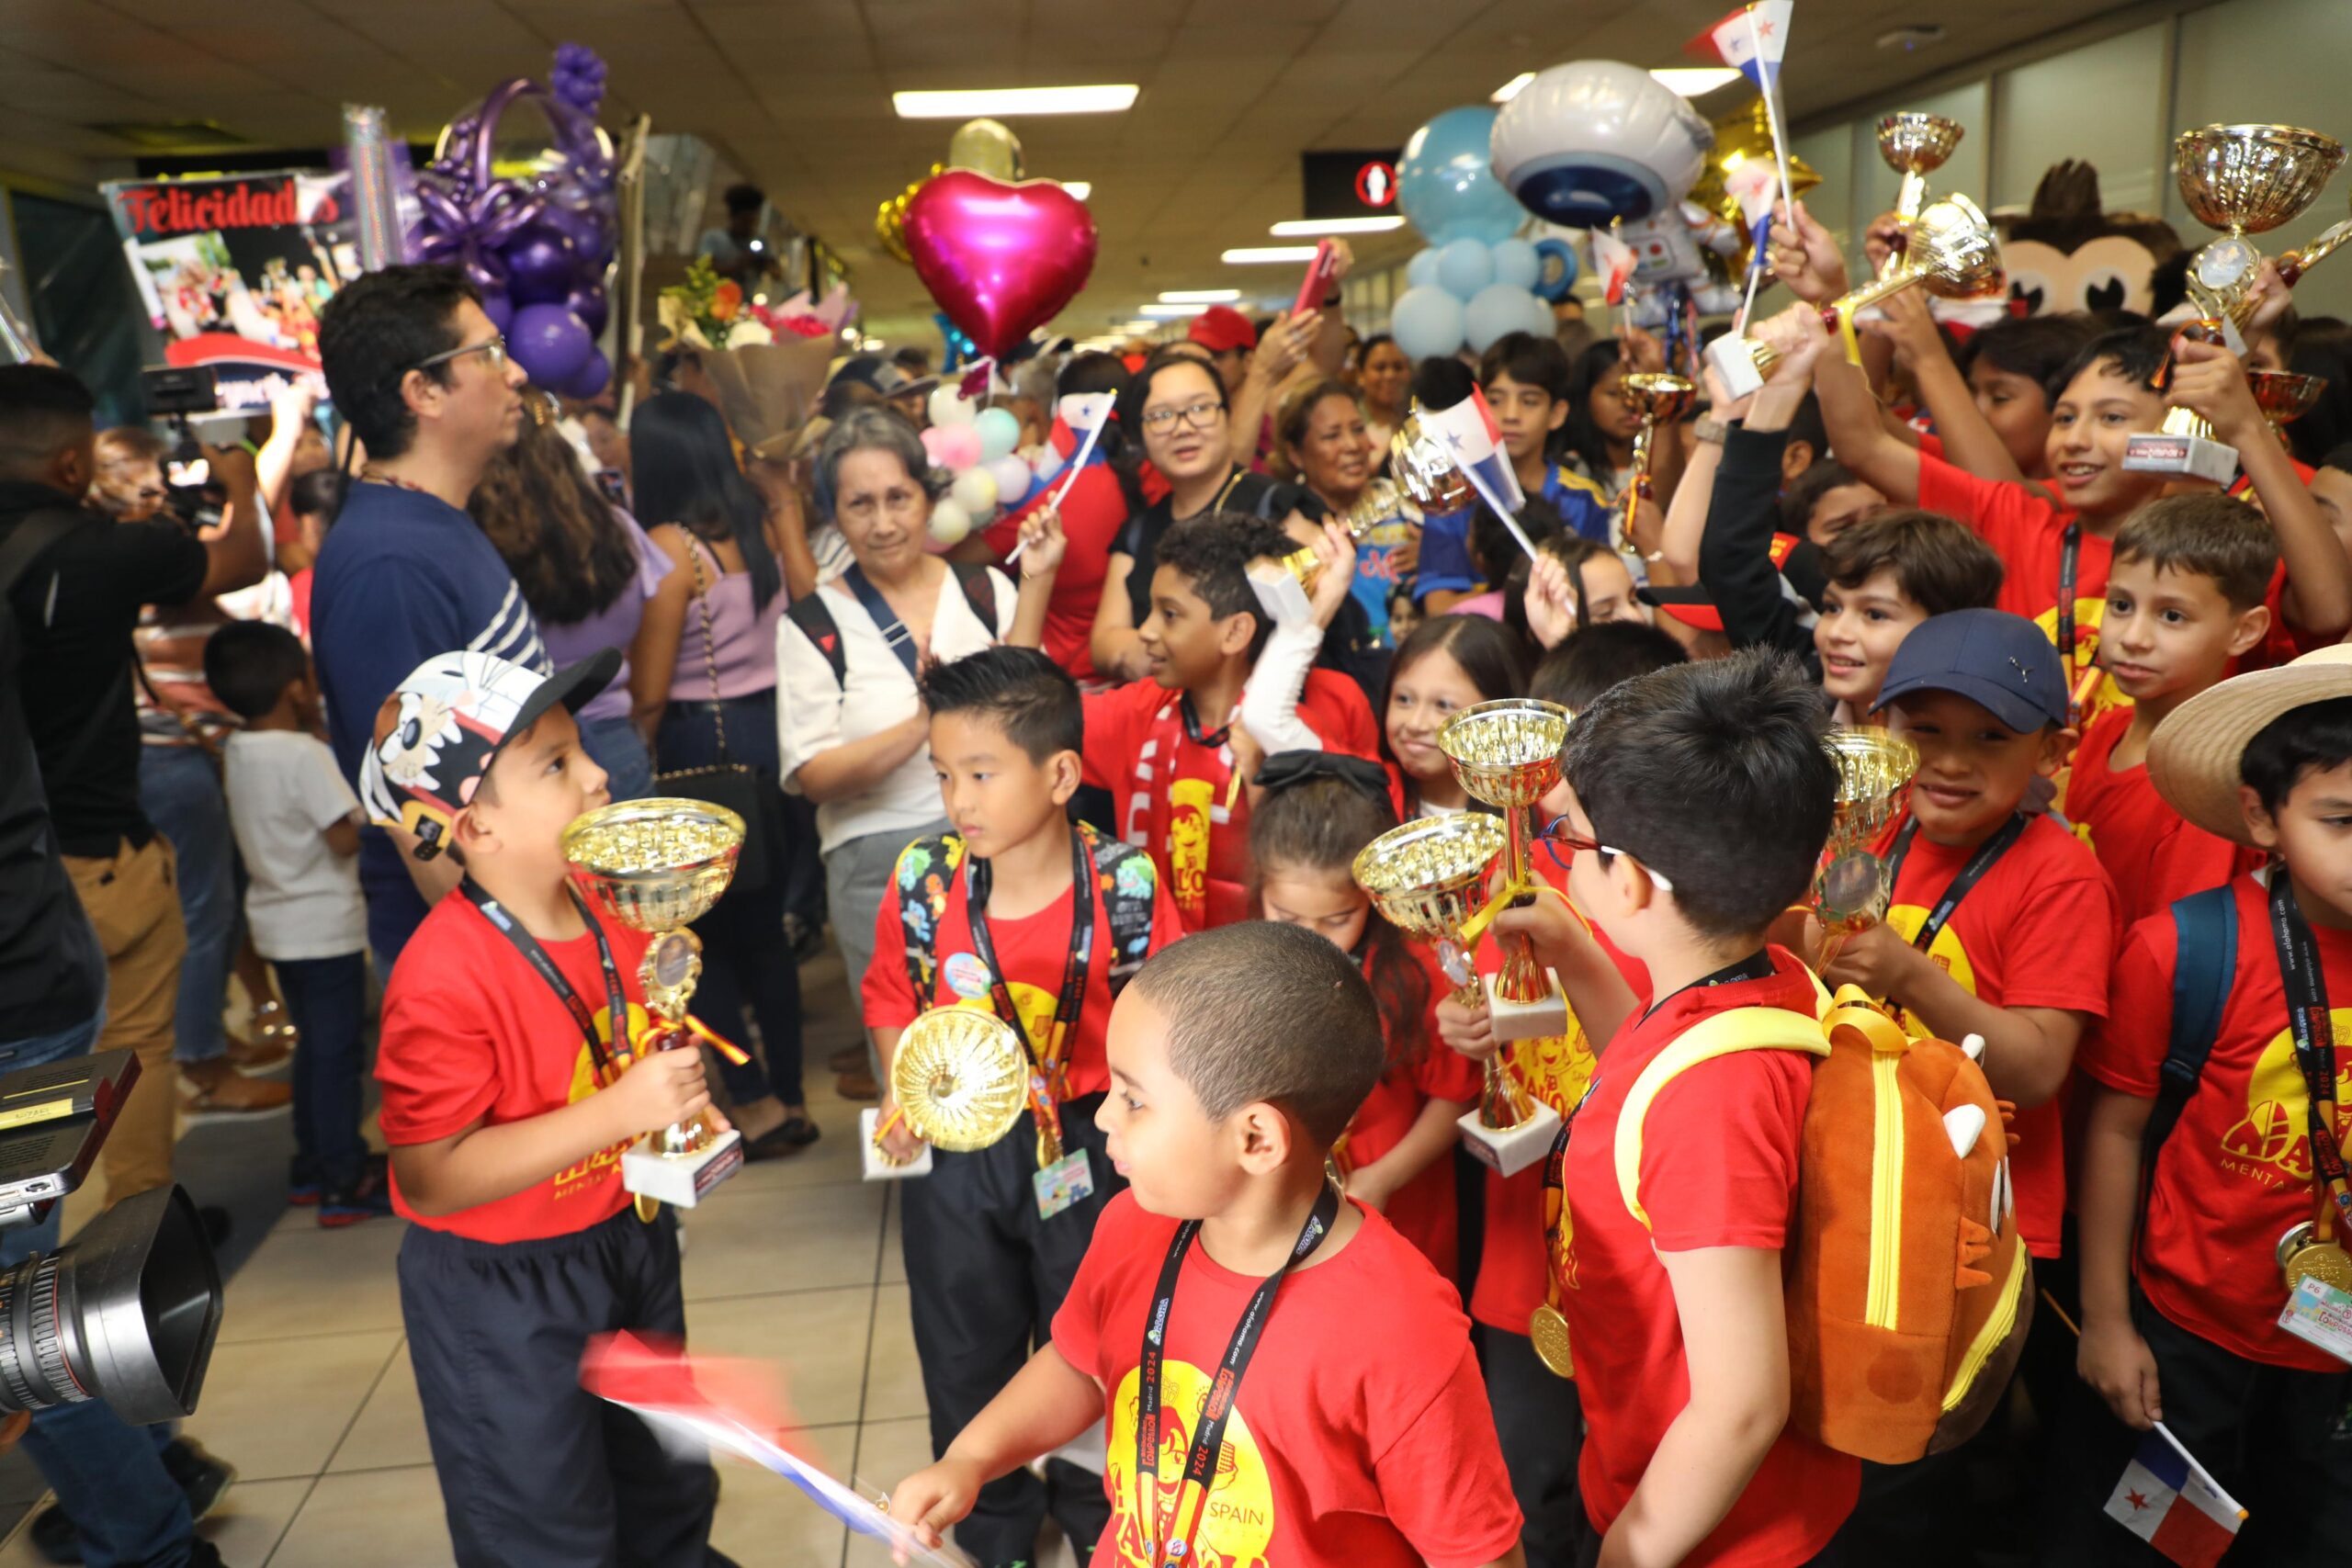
1741	1028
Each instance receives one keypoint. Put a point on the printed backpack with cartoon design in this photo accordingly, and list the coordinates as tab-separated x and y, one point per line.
1129	884
1908	1286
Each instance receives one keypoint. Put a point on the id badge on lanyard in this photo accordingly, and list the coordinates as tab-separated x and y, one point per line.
2312	1256
1062	1178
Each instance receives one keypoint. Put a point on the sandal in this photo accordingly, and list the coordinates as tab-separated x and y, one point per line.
782	1142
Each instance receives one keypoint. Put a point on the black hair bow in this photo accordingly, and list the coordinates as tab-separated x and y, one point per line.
1287	768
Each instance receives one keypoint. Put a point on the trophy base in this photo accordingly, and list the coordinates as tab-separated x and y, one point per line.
1280	594
681	1180
1734	364
879	1168
1545	1018
1506	1151
2187	457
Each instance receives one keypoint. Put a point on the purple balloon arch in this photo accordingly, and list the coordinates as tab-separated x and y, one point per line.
536	247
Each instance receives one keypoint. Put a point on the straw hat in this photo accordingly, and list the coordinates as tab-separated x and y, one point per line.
2194	758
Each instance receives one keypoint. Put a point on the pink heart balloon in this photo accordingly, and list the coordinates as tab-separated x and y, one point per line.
1001	259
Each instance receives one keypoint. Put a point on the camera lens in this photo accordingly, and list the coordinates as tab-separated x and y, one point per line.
126	1312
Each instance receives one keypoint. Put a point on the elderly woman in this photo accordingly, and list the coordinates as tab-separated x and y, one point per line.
852	735
1326	444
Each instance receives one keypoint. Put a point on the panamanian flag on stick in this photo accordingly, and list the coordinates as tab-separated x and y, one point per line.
1750	40
2167	1500
1469	431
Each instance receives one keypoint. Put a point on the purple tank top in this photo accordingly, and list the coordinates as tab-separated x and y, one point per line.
742	637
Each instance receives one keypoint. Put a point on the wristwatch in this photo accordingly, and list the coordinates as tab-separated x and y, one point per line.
1709	429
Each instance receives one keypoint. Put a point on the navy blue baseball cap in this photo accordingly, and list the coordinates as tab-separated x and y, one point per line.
2000	662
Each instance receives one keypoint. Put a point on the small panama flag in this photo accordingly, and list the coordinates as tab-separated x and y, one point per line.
1615	259
2167	1500
1750	40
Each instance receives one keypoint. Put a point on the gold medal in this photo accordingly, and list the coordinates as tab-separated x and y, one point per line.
1550	1332
2302	1256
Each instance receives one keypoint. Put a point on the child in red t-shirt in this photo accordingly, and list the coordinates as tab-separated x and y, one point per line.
1235	1317
1698	799
1042	921
2002	923
1169	749
506	1027
2184	603
2186	1272
1315	813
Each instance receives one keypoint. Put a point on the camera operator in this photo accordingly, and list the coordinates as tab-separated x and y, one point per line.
75	609
123	1491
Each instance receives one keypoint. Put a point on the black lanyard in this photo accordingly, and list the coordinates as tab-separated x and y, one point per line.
2069	550
1169	1535
1046	1055
1972	873
2314	1031
1756	965
1193	726
615	998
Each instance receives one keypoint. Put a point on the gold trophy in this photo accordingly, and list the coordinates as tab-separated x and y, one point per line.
1950	251
656	866
1851	887
2248	179
1428	879
2184	444
1915	146
2284	396
1656	398
1285	586
961	1078
1507	753
1425	467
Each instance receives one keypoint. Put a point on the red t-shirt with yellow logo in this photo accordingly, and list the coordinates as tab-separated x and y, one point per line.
2236	1173
472	1032
1181	800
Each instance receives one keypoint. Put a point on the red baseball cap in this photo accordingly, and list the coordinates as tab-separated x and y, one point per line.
1221	328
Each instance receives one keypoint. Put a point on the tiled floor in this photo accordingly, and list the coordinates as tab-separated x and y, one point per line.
311	1396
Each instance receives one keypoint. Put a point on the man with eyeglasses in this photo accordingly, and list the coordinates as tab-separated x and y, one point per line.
421	375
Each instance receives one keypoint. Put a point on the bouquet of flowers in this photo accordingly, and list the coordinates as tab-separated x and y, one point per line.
767	363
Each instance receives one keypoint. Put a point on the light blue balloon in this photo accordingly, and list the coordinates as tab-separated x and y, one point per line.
1549	250
1446	181
1517	264
1421	269
1464	268
1501	309
1427	322
999	434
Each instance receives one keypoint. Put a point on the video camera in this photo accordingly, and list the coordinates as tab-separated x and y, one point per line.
127	1311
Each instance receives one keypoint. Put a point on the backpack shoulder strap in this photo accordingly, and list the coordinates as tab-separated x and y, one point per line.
2205	928
1724	1034
1130	885
816	622
979	592
922	879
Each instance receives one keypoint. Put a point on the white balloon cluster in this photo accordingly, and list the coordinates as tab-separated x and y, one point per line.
1468	291
977	446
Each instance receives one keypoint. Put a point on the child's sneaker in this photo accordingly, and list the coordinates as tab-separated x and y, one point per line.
304	1194
371	1198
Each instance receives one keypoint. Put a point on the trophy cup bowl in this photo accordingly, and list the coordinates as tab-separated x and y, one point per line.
1428	879
1507	753
961	1078
1425	467
1851	887
1659	396
1917	143
2284	396
655	865
2249	179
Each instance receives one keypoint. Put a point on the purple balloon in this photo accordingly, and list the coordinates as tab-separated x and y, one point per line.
549	342
541	265
498	307
578	224
590	378
587	302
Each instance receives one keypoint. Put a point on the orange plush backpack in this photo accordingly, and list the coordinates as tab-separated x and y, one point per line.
1908	1286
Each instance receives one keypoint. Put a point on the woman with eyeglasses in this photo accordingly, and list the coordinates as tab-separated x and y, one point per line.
586	569
1178	403
703	684
854	737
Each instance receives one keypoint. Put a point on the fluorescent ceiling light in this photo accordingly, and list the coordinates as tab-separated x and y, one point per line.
1200	296
966	103
1294	228
1689	81
1171	312
1078	189
1692	81
1247	254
